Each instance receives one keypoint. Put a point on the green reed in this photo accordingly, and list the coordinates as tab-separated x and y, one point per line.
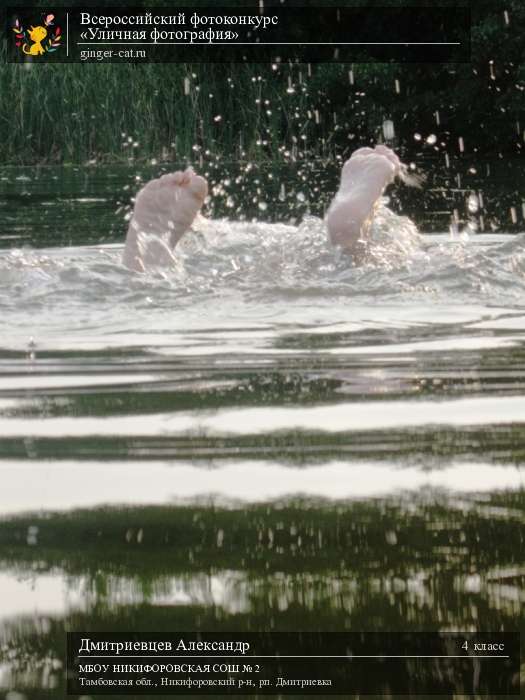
80	112
75	113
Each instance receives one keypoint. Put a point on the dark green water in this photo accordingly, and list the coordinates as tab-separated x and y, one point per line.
54	206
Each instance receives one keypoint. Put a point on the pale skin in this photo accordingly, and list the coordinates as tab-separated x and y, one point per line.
364	179
166	207
164	210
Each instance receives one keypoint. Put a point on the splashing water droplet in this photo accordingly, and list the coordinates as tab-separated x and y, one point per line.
472	203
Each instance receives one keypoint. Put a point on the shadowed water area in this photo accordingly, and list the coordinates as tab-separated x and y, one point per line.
265	437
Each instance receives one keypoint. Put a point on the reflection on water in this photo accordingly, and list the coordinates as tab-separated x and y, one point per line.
434	562
263	438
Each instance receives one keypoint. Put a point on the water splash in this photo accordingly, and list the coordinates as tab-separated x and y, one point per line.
251	272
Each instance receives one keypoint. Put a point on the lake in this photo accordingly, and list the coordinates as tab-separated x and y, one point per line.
265	437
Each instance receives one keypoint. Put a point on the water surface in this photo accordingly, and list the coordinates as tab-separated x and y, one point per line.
266	436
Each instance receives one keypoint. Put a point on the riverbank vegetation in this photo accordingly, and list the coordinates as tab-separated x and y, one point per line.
75	113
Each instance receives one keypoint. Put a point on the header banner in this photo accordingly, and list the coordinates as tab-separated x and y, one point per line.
242	35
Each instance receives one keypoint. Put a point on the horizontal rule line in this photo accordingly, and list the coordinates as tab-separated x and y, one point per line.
291	656
276	43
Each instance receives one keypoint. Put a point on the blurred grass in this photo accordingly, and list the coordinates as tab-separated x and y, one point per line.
79	112
74	113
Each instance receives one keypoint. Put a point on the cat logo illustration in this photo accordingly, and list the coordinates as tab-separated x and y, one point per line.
39	39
